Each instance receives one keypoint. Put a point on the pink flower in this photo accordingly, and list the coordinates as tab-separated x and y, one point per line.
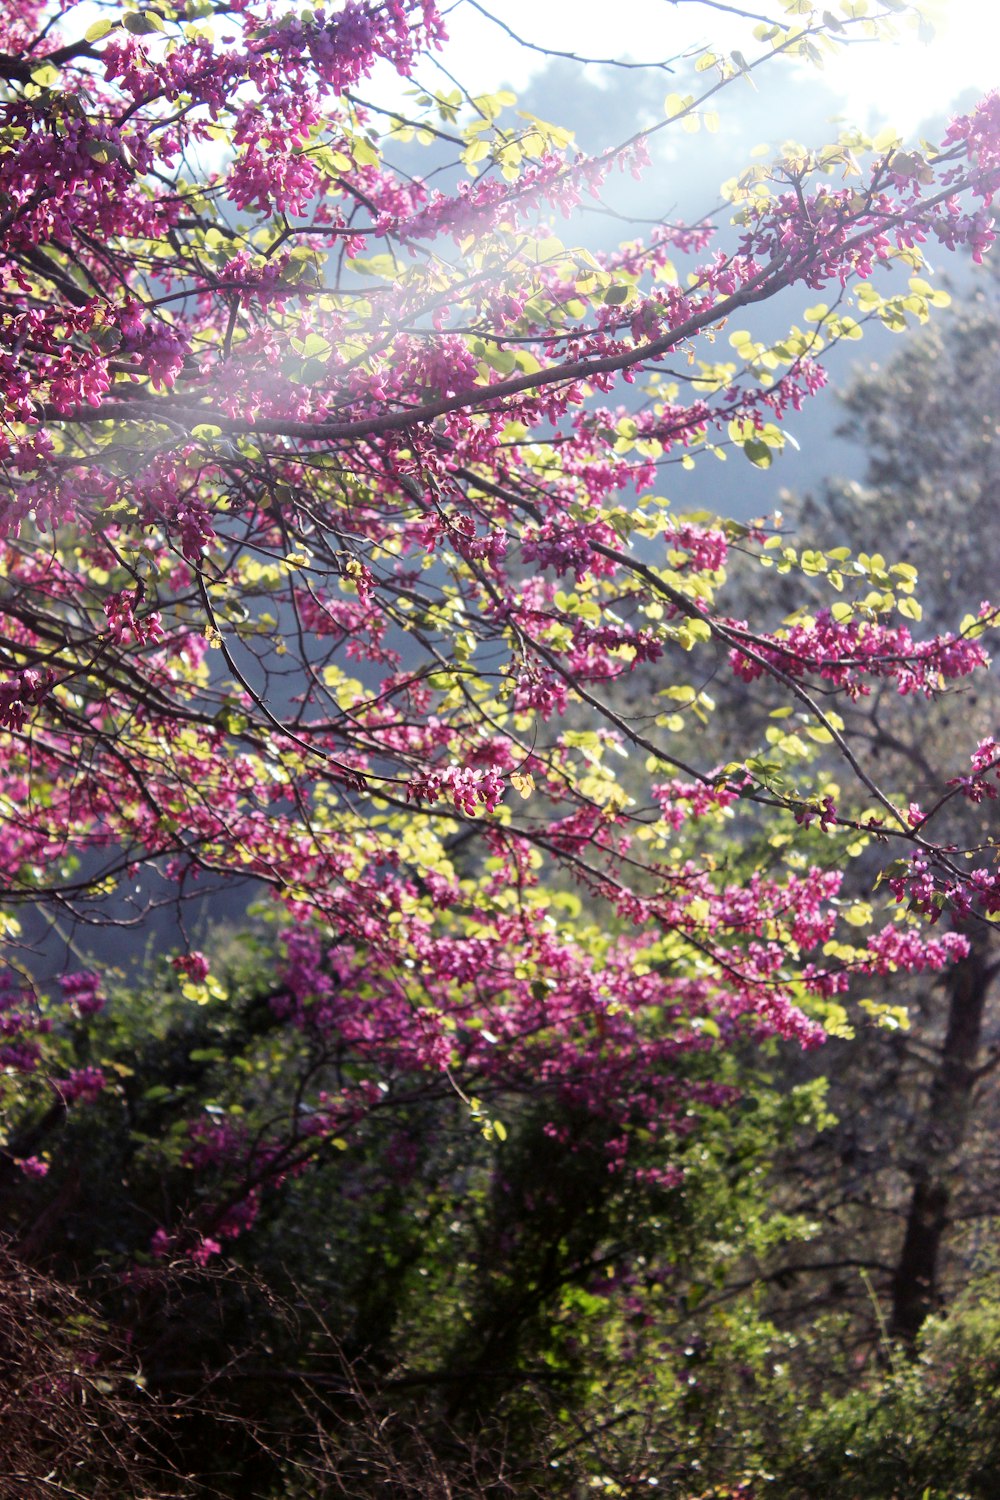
32	1166
202	1253
82	1084
194	965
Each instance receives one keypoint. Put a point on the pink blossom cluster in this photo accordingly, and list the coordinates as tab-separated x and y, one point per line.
984	780
163	1244
898	947
84	1084
83	991
680	800
931	887
706	547
193	965
342	47
975	136
846	653
18	695
21	1026
123	624
537	687
469	789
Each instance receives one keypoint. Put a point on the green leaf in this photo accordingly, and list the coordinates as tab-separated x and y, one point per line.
758	453
363	152
142	23
102	151
98	30
885	140
313	346
45	76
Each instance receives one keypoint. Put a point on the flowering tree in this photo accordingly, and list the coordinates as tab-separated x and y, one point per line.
328	532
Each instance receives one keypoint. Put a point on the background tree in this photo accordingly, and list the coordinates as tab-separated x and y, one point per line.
901	1189
927	425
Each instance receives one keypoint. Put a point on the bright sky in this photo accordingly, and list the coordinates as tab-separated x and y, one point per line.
898	84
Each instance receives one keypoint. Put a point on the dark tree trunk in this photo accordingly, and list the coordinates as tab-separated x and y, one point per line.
915	1291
